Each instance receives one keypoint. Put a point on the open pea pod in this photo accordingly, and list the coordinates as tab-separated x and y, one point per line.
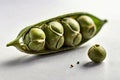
61	33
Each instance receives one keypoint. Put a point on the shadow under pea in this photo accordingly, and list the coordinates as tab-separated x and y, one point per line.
91	64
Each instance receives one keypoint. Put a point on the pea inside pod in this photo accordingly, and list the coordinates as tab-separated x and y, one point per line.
54	35
72	33
35	39
88	27
58	34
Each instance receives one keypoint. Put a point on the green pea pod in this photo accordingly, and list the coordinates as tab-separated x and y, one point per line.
61	33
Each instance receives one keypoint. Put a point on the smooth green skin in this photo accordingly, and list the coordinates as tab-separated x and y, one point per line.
72	33
97	53
35	39
54	35
22	47
88	28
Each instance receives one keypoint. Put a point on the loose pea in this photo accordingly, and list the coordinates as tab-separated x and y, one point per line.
97	53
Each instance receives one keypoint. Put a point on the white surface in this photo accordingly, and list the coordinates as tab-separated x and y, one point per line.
15	65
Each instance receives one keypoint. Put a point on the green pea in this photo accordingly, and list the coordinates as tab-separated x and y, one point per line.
35	39
54	35
88	28
97	53
72	33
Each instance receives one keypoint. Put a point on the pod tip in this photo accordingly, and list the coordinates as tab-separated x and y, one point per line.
9	44
12	43
105	21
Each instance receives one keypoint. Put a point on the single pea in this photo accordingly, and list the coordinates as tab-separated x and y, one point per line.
54	35
88	27
97	53
35	39
72	34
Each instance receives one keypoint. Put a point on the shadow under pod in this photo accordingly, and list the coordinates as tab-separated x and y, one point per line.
30	60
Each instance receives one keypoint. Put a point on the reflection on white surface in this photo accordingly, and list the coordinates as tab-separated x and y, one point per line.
15	65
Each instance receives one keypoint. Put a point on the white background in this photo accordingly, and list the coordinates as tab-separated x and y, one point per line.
15	65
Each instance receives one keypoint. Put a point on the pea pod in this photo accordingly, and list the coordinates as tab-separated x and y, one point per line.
58	34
